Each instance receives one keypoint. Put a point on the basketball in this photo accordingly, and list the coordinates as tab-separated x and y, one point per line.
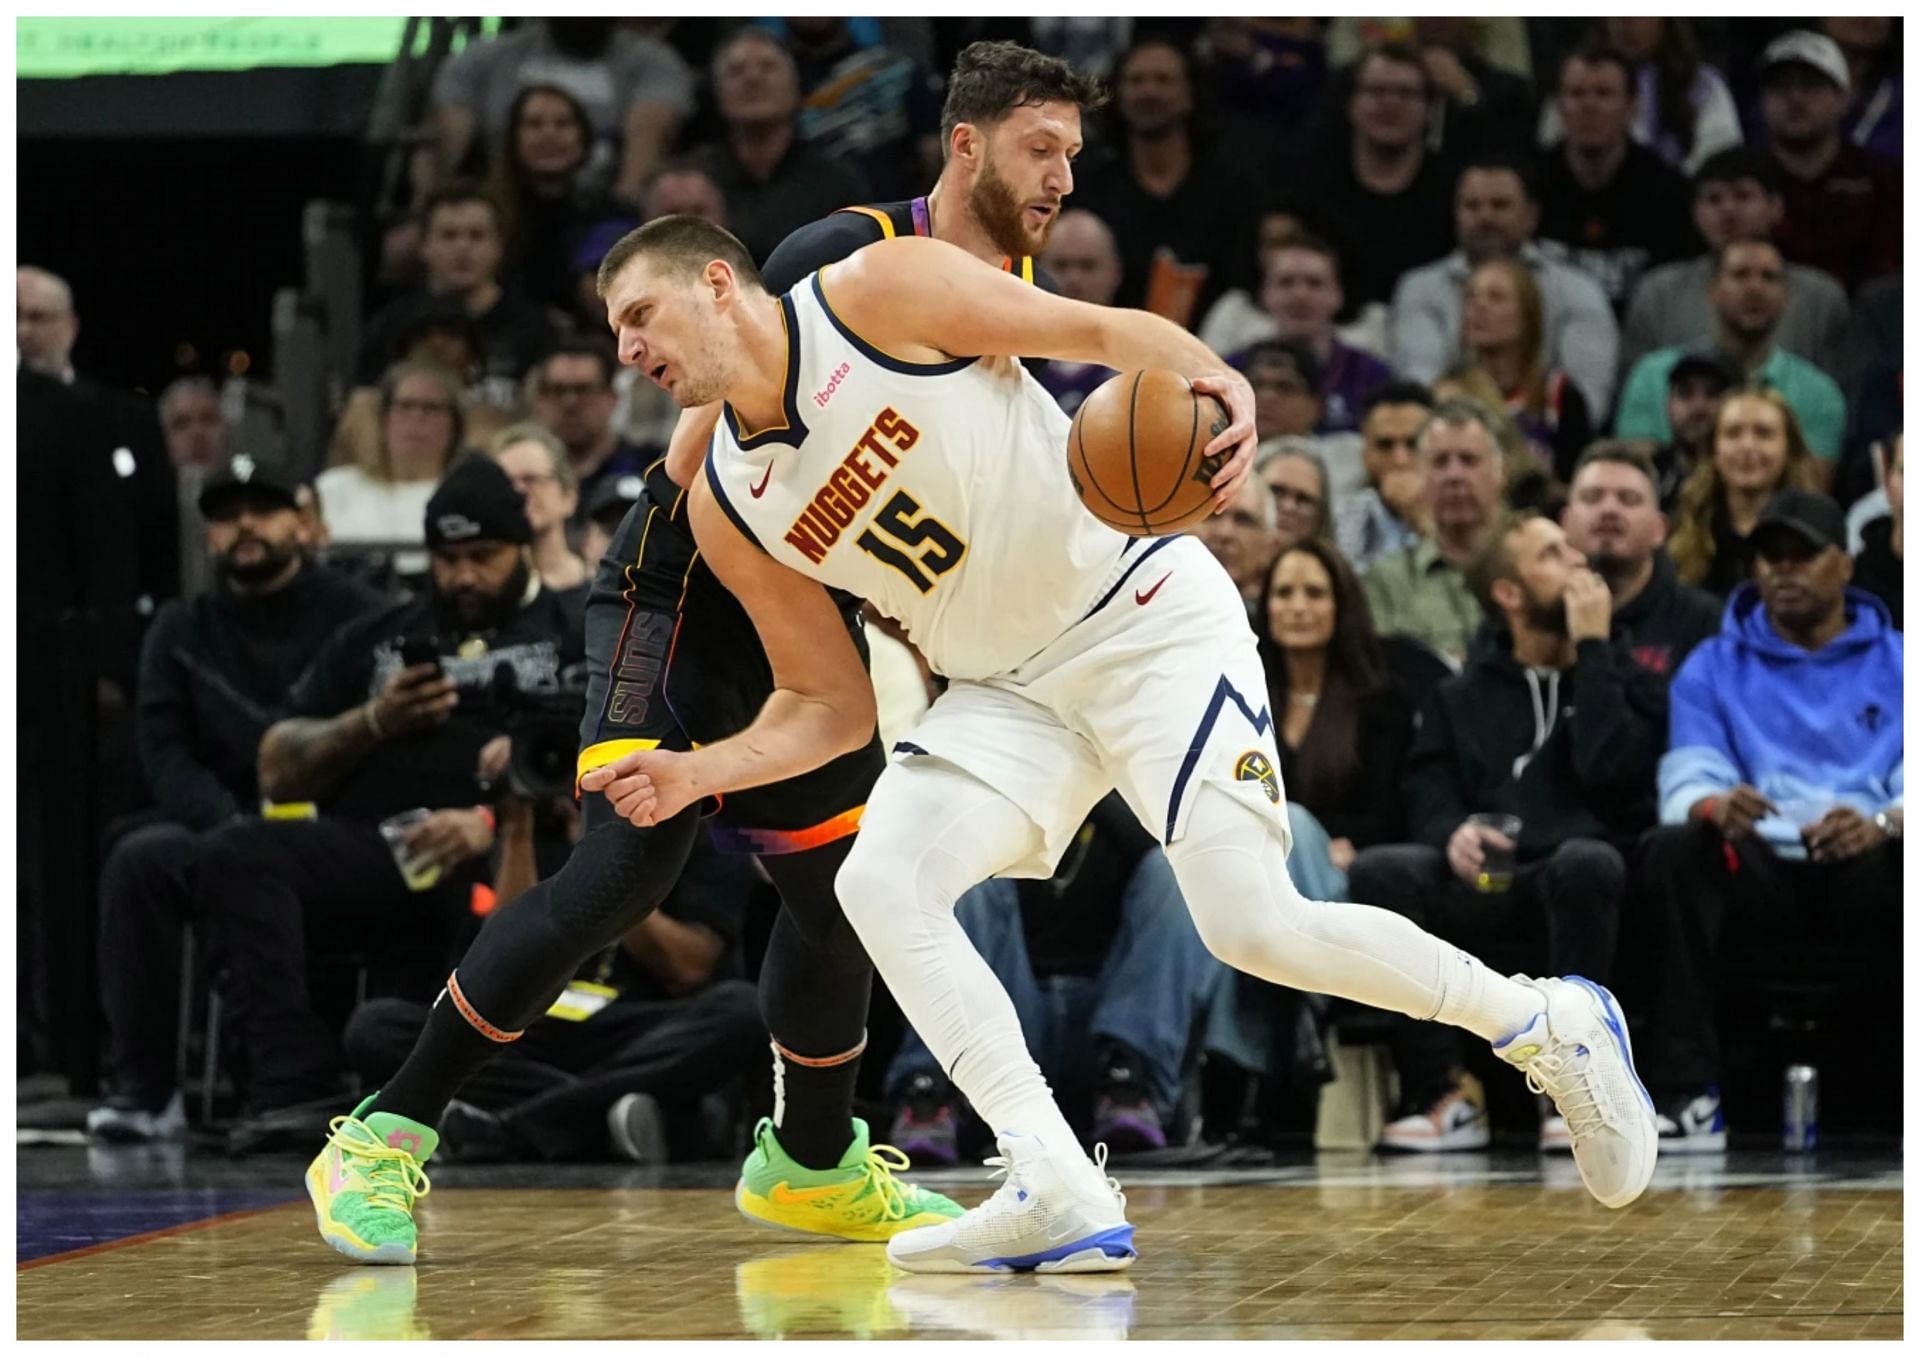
1135	452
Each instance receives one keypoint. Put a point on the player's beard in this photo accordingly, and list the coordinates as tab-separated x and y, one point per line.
705	380
999	211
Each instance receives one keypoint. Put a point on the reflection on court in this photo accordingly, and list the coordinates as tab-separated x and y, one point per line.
1356	1255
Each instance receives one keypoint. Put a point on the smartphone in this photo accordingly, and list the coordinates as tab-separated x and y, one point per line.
420	650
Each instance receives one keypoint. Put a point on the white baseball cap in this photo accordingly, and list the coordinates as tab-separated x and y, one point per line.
1809	49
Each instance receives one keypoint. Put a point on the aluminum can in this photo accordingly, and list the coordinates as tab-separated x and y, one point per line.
1800	1109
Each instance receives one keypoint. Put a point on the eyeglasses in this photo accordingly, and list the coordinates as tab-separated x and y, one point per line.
561	390
408	406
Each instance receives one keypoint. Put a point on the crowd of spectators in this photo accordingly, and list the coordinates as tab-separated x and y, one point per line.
1577	364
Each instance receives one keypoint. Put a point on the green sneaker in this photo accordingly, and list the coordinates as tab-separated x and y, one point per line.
365	1182
858	1199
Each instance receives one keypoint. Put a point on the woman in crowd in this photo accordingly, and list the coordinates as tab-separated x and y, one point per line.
536	463
1297	476
1342	723
1758	450
1502	329
444	337
543	204
382	496
1683	110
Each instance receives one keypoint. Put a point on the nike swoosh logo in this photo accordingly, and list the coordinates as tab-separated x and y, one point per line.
782	1195
1147	597
761	489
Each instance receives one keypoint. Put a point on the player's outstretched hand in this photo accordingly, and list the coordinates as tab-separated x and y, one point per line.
1237	440
646	787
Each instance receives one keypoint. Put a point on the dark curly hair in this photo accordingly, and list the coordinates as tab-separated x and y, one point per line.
991	79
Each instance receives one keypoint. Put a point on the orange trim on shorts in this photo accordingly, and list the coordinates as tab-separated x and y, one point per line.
731	839
474	1020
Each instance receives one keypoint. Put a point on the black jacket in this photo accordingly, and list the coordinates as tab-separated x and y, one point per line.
1572	752
1667	620
214	674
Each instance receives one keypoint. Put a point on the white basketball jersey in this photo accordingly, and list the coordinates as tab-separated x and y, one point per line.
937	491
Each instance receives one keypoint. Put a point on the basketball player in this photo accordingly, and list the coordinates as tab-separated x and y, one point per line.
867	446
1012	121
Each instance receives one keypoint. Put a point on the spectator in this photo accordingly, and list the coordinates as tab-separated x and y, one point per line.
1288	383
1112	914
141	499
612	499
196	437
1877	566
1502	329
381	498
1607	203
1695	388
1555	724
1736	196
1793	822
1300	293
572	395
1420	591
214	672
635	91
1842	202
1173	200
1243	538
462	253
1613	518
1496	211
1385	516
865	105
1238	319
1872	49
536	464
1343	724
537	183
1748	296
1267	72
773	181
1758	450
619	1063
1683	111
441	336
370	736
1477	106
1377	192
1084	262
1296	476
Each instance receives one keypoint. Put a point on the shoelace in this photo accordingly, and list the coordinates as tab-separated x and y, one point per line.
881	1163
1577	1103
394	1179
1113	1184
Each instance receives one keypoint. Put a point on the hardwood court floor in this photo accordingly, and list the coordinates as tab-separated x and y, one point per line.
1369	1251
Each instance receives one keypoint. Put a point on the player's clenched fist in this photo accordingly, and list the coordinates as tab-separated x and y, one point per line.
646	787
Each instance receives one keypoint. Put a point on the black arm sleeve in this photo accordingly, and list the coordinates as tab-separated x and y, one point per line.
816	245
183	786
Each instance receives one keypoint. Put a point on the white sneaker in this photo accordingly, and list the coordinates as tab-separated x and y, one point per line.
1050	1215
119	1124
1577	1053
1697	1126
1458	1121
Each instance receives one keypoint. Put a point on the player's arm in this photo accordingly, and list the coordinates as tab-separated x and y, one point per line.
917	292
822	704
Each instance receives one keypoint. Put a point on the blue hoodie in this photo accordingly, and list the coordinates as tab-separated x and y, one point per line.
1809	729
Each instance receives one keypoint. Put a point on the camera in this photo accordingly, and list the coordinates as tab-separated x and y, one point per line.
544	725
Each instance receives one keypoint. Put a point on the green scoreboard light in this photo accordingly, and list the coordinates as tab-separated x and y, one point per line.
52	49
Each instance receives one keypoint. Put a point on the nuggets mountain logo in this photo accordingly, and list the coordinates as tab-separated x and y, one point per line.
1253	766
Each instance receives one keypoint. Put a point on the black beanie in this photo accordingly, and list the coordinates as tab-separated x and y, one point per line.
477	503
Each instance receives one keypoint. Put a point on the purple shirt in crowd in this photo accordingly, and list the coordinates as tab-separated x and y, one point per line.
1351	376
